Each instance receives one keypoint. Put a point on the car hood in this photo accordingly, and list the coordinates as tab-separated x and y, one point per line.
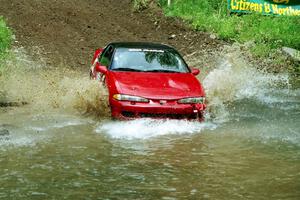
157	85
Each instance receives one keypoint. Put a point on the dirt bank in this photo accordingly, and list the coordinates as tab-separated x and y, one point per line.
68	31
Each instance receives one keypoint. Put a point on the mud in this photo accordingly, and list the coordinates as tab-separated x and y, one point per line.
66	32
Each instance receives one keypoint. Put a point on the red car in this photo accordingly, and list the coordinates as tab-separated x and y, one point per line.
148	80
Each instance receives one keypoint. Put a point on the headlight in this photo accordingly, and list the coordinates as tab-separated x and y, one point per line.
192	100
124	97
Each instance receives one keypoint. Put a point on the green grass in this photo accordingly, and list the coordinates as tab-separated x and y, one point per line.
5	42
5	36
267	32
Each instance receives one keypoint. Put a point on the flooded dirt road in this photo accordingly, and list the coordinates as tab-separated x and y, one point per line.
63	145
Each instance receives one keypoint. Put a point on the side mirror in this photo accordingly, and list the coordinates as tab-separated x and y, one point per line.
195	71
97	54
101	69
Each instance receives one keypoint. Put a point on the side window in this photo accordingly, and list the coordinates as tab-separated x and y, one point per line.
105	58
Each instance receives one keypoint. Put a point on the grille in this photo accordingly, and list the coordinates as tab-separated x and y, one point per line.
171	116
128	114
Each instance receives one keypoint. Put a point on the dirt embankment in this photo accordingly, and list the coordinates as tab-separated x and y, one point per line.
68	31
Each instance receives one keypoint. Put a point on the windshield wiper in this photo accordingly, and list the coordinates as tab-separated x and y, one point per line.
162	70
127	69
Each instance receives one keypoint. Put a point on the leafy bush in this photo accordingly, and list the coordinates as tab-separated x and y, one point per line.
140	4
5	41
5	36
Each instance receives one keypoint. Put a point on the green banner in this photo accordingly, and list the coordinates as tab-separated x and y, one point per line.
266	7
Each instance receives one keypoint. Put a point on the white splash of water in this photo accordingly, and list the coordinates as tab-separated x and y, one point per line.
235	80
148	128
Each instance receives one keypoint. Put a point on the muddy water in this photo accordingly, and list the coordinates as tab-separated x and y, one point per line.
62	145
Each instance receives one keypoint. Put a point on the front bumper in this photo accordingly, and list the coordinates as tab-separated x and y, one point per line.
156	109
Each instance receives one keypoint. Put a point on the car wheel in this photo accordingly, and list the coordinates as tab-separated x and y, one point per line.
201	117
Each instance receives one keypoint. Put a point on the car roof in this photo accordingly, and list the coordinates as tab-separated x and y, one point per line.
140	45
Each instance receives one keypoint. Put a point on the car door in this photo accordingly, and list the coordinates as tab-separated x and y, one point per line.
105	60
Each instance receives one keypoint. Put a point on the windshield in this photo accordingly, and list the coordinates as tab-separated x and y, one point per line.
148	60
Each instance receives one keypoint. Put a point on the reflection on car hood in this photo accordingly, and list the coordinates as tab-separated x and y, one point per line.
157	85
